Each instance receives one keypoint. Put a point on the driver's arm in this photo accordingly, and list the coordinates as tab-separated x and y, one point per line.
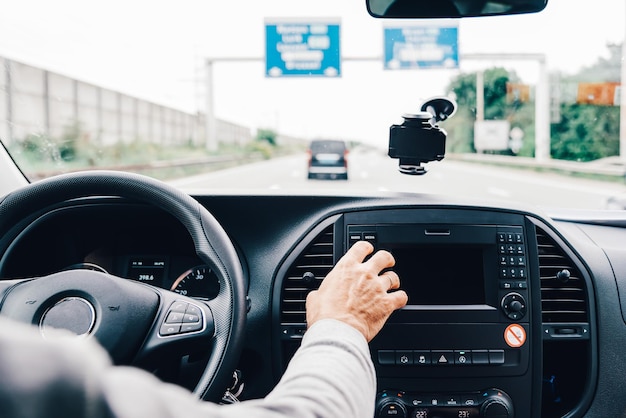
330	375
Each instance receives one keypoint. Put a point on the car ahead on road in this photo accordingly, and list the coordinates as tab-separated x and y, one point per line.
516	277
328	158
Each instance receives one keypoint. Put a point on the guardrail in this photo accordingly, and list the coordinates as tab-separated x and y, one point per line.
609	167
157	165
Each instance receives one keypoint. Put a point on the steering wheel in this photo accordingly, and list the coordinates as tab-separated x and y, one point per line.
135	322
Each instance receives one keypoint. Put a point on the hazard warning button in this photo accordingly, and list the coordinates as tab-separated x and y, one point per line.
443	357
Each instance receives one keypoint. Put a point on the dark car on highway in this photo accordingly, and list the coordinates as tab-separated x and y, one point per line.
328	158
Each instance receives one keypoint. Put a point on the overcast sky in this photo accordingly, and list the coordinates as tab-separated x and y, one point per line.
155	49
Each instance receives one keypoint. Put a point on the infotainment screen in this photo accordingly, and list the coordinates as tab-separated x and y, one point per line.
441	275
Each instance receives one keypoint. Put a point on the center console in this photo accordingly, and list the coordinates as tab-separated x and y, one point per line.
462	346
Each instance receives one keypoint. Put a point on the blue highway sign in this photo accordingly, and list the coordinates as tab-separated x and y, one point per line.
428	46
302	48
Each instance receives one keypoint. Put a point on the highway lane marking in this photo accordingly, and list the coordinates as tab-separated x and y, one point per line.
498	192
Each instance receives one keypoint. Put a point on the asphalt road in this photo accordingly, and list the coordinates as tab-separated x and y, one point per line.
371	171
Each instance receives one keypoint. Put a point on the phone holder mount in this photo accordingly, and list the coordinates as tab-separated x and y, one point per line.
419	139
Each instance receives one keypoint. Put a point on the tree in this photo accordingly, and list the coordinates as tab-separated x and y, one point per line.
460	128
267	135
587	132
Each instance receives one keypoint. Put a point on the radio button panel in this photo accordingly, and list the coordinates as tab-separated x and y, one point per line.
440	358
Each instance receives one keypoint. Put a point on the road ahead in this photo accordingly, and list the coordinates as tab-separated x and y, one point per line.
372	171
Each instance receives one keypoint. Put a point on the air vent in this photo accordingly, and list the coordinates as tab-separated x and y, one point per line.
316	259
564	299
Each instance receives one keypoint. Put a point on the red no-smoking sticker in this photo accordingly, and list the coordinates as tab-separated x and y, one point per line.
515	335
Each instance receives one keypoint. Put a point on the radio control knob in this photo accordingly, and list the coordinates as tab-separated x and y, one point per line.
514	306
496	405
391	406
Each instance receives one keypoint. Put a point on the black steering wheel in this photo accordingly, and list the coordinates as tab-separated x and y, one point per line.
135	322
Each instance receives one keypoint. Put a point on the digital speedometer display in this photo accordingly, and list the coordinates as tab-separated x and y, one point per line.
149	270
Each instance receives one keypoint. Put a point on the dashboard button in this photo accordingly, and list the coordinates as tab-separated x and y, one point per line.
462	357
370	237
421	357
496	356
386	357
353	238
480	357
443	357
404	358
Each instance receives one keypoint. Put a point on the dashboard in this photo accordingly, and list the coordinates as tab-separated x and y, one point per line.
510	313
129	241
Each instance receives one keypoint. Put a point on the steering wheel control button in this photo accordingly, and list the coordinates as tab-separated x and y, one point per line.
74	314
179	306
174	317
191	327
190	318
169	329
193	310
181	318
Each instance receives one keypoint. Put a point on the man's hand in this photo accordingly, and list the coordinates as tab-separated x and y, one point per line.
356	292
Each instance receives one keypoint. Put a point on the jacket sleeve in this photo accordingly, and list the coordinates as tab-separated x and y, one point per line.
331	375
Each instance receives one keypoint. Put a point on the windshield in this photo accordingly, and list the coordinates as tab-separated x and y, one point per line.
227	97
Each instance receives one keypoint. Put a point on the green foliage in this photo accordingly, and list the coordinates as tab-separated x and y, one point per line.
263	147
40	156
267	135
460	127
586	132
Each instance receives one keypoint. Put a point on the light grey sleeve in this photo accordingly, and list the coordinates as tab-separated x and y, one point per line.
54	378
331	375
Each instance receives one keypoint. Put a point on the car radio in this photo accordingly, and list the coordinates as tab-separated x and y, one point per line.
468	322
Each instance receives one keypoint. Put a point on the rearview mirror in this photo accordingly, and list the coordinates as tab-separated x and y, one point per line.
451	8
